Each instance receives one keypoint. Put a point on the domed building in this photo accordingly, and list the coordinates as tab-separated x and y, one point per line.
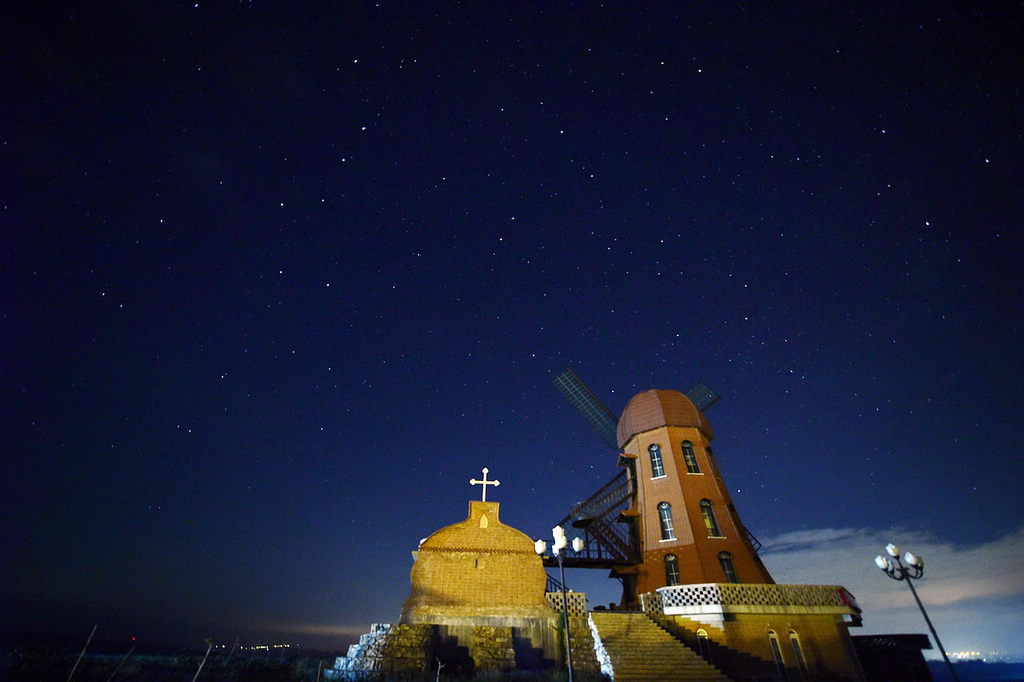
477	605
477	572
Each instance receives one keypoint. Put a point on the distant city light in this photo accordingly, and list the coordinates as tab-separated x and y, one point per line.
256	647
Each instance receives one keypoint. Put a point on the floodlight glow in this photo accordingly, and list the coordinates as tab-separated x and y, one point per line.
882	562
893	550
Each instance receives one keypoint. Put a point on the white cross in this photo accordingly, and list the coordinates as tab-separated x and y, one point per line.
484	483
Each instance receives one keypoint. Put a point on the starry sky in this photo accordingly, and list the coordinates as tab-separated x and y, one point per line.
278	278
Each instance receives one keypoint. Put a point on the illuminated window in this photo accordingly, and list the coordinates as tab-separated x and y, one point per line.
657	468
703	644
671	569
725	559
690	458
773	640
707	510
798	651
665	514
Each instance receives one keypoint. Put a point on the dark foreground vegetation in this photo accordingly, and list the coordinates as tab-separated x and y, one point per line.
41	658
51	659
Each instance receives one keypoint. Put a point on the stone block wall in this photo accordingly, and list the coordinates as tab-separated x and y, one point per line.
492	649
410	650
386	649
581	639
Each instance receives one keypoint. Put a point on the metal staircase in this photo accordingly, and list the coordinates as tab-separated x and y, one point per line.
607	542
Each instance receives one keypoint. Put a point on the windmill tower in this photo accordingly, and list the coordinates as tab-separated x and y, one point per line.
667	518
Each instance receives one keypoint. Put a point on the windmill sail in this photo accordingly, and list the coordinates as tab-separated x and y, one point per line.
701	395
587	404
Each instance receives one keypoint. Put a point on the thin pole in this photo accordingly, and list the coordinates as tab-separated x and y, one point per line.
209	643
942	650
121	663
83	652
565	618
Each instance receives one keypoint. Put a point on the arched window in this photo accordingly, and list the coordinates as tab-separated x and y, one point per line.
703	644
707	510
690	458
798	652
657	468
665	514
671	569
773	641
725	559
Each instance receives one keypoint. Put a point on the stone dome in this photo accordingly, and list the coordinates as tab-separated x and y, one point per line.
475	569
656	408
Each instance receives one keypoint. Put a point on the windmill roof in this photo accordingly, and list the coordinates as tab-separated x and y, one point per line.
656	408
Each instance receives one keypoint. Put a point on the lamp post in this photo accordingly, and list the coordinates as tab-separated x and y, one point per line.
910	569
559	544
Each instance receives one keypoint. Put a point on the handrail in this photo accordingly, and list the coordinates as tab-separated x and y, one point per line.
603	539
553	584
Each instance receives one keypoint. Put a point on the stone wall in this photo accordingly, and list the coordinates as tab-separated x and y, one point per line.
410	650
492	649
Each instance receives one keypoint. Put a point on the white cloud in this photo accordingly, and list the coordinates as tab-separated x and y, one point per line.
974	594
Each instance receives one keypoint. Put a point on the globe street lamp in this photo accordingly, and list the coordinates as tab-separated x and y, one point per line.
556	548
910	569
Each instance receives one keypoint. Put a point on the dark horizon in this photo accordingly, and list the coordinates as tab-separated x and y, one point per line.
68	642
65	625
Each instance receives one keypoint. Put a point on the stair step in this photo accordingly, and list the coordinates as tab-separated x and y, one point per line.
640	650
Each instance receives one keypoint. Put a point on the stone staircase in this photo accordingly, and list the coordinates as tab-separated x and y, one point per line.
640	650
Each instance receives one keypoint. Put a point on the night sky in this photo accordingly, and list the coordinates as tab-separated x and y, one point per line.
278	279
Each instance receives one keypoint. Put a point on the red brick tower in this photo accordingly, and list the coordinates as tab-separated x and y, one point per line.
688	528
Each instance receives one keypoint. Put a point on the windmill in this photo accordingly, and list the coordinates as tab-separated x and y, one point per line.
601	418
666	527
603	520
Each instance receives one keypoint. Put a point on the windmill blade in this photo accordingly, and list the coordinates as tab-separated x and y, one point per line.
701	396
587	404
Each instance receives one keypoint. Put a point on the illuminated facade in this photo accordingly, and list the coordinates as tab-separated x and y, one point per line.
699	575
688	528
477	605
698	603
